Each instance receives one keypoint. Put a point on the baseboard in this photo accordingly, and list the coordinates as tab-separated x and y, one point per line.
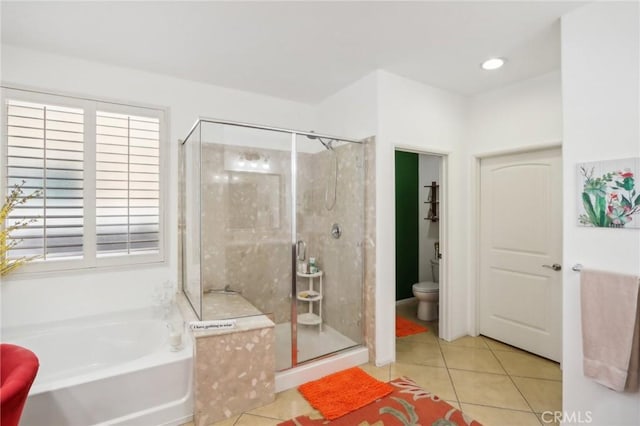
405	301
296	376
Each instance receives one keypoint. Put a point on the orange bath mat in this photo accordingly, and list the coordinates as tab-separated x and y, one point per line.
343	392
404	327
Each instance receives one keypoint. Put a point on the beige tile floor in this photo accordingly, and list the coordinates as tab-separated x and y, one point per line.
494	383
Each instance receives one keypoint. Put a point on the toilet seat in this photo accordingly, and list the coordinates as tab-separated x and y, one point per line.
426	287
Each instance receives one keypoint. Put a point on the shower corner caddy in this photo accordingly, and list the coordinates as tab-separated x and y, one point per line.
311	296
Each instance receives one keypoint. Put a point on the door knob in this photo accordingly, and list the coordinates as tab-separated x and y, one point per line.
555	266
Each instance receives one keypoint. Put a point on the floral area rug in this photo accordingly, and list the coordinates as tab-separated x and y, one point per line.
407	405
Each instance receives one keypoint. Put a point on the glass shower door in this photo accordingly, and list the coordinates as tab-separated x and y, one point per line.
329	218
189	224
246	227
272	224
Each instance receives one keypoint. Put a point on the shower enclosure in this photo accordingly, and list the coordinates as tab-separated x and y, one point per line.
272	223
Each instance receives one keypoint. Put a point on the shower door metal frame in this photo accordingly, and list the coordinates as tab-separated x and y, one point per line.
294	253
182	218
294	230
271	128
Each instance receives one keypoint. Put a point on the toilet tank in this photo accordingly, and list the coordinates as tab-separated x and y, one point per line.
435	271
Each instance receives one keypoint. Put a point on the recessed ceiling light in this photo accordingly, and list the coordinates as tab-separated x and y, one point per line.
492	64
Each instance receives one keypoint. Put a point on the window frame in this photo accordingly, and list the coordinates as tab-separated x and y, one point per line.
91	106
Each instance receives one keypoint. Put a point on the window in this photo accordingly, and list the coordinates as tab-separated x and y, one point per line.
127	184
45	150
98	166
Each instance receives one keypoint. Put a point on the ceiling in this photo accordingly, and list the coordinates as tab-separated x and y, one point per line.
303	51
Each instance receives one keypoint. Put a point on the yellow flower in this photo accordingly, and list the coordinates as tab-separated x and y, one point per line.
11	201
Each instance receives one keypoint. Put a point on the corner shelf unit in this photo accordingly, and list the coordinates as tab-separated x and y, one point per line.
311	296
434	202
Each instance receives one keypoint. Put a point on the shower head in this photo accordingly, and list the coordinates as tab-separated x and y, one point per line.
326	144
329	204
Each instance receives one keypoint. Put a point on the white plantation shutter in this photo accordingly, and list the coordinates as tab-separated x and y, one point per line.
45	149
98	165
127	184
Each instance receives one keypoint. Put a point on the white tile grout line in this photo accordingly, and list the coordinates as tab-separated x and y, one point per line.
515	385
446	366
438	340
518	375
506	409
264	417
499	408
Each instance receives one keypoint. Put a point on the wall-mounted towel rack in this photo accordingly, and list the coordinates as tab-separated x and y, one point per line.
577	267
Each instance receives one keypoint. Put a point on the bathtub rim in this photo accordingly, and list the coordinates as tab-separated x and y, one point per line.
139	364
164	355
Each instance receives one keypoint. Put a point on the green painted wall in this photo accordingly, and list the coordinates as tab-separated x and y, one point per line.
407	232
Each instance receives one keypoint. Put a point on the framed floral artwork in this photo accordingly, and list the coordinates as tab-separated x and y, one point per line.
609	194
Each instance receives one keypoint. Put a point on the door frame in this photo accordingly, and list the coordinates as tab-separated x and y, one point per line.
474	244
446	301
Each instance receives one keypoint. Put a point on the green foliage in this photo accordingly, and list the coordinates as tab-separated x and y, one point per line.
588	207
410	419
15	198
603	199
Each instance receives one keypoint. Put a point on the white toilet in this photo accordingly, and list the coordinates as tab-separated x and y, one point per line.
428	294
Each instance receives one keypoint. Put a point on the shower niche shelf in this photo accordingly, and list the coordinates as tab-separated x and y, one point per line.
433	201
311	296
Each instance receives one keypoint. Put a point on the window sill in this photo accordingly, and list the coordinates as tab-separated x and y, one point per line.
51	268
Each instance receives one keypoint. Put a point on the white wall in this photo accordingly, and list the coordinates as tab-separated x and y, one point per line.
525	114
522	116
415	116
428	171
411	115
404	113
67	295
600	72
351	112
418	117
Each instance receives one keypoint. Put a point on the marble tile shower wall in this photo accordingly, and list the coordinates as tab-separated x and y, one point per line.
246	228
341	259
370	247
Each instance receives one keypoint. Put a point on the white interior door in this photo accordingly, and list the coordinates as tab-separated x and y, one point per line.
520	241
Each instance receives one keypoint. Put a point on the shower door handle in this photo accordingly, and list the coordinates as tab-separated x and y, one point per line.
301	249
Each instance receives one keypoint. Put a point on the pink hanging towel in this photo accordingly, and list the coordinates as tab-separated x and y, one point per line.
611	328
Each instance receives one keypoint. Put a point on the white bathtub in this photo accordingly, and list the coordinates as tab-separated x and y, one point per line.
108	369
